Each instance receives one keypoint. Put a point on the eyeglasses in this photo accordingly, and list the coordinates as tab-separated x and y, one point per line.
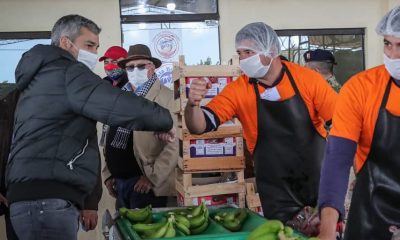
141	66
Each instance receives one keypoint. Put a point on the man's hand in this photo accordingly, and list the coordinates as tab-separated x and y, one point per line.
327	229
143	185
198	89
3	200
110	187
168	137
88	219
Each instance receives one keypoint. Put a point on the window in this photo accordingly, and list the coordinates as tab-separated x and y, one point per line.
347	45
12	46
188	28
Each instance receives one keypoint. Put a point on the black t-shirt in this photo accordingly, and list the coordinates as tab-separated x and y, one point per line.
121	162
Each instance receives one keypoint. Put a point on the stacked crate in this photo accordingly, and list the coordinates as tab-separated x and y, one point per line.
219	151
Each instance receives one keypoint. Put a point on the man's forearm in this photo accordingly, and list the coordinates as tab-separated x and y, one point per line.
195	120
329	219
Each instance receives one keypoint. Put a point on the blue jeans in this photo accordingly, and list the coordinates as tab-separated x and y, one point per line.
127	197
45	219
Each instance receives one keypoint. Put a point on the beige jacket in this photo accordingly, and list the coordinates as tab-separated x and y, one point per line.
156	159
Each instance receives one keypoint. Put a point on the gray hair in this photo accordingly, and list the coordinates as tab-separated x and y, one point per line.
70	26
323	67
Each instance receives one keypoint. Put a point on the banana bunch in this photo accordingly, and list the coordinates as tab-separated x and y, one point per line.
233	221
181	222
198	219
140	215
274	230
163	230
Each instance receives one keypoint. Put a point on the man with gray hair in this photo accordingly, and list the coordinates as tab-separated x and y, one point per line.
322	61
282	108
54	159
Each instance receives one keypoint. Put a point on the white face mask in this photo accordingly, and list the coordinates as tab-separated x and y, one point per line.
137	77
253	67
393	66
86	57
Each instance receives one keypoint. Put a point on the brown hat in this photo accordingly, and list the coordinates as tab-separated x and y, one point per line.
139	51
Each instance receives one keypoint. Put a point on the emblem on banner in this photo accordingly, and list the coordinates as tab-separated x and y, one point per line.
166	44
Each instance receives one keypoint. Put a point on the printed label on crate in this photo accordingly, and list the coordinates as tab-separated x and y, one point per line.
218	83
211	200
213	147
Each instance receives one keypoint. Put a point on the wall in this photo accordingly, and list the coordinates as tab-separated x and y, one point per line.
40	15
306	14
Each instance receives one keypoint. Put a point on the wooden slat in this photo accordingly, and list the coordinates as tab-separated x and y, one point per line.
223	132
215	164
231	123
209	189
253	201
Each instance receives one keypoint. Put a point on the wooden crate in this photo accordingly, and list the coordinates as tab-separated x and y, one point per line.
186	189
211	151
253	201
219	75
232	125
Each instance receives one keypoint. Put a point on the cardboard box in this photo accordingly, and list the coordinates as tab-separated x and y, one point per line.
211	200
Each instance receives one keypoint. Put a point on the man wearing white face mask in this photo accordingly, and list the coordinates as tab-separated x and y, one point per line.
282	107
140	168
365	135
53	170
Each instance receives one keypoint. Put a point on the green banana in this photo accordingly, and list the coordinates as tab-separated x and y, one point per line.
183	220
241	215
221	214
196	221
271	226
200	229
149	218
158	233
205	212
170	233
142	227
288	231
182	212
182	228
197	210
268	236
122	211
218	218
232	225
138	215
230	216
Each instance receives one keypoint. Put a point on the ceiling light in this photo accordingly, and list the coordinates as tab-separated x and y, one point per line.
171	6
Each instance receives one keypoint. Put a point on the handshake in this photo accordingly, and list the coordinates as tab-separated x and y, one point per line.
169	136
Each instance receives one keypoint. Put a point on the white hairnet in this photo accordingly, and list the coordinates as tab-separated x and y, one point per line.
390	23
258	37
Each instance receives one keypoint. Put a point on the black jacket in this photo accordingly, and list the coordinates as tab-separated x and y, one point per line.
8	101
54	153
